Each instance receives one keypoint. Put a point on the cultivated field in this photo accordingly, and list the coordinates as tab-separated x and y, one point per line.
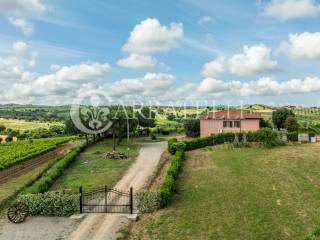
16	152
244	194
23	125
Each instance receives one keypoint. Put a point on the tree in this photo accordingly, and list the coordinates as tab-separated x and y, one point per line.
123	122
57	129
264	123
146	117
2	128
291	124
192	127
280	116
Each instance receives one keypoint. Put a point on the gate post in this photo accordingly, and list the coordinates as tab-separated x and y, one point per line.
131	200
80	198
106	198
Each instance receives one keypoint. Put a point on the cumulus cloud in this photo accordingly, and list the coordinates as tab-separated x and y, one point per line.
266	86
137	61
253	60
63	82
26	27
305	45
150	37
150	85
22	7
206	20
214	68
288	9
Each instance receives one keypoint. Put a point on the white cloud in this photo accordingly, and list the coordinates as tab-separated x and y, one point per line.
26	27
253	60
137	61
151	85
289	9
65	82
22	7
147	38
150	37
20	47
266	86
206	19
305	45
214	68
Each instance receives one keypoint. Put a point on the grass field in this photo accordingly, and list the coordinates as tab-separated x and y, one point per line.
242	194
23	125
92	169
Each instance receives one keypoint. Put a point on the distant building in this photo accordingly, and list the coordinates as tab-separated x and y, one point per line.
229	121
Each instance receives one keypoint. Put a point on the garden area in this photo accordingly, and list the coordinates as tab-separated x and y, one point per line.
241	193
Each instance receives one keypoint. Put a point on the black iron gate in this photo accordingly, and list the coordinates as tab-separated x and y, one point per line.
106	200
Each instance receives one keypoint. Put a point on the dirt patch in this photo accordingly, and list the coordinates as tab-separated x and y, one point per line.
161	171
198	160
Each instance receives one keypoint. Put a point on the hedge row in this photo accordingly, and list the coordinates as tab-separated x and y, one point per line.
51	204
45	182
265	136
171	142
168	186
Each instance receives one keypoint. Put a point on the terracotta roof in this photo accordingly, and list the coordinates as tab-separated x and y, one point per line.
231	114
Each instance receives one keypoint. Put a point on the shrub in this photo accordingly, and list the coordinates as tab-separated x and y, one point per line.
179	146
267	137
51	204
293	136
147	201
171	141
192	127
168	186
45	182
166	131
9	138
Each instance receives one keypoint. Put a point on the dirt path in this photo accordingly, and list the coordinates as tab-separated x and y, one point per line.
106	226
26	166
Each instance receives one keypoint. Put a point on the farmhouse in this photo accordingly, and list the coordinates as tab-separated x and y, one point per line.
229	121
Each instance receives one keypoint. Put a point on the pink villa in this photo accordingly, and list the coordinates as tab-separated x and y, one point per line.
229	121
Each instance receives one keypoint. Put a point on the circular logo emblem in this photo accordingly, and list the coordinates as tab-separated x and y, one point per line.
90	112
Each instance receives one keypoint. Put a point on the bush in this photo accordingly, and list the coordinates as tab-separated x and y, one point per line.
192	127
51	204
179	146
293	136
168	186
171	141
45	182
147	201
166	131
267	137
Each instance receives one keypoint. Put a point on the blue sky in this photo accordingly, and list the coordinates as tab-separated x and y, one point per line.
184	50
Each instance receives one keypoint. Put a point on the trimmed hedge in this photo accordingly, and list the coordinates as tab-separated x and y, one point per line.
293	136
168	186
209	141
51	204
171	148
48	178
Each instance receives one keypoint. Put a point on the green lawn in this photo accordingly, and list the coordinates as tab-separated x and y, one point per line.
242	194
92	169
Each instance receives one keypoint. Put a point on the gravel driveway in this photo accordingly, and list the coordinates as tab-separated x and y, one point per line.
93	226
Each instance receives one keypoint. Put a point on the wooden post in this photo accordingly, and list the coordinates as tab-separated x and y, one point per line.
80	191
131	200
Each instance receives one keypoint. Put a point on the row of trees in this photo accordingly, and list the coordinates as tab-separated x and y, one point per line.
124	123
